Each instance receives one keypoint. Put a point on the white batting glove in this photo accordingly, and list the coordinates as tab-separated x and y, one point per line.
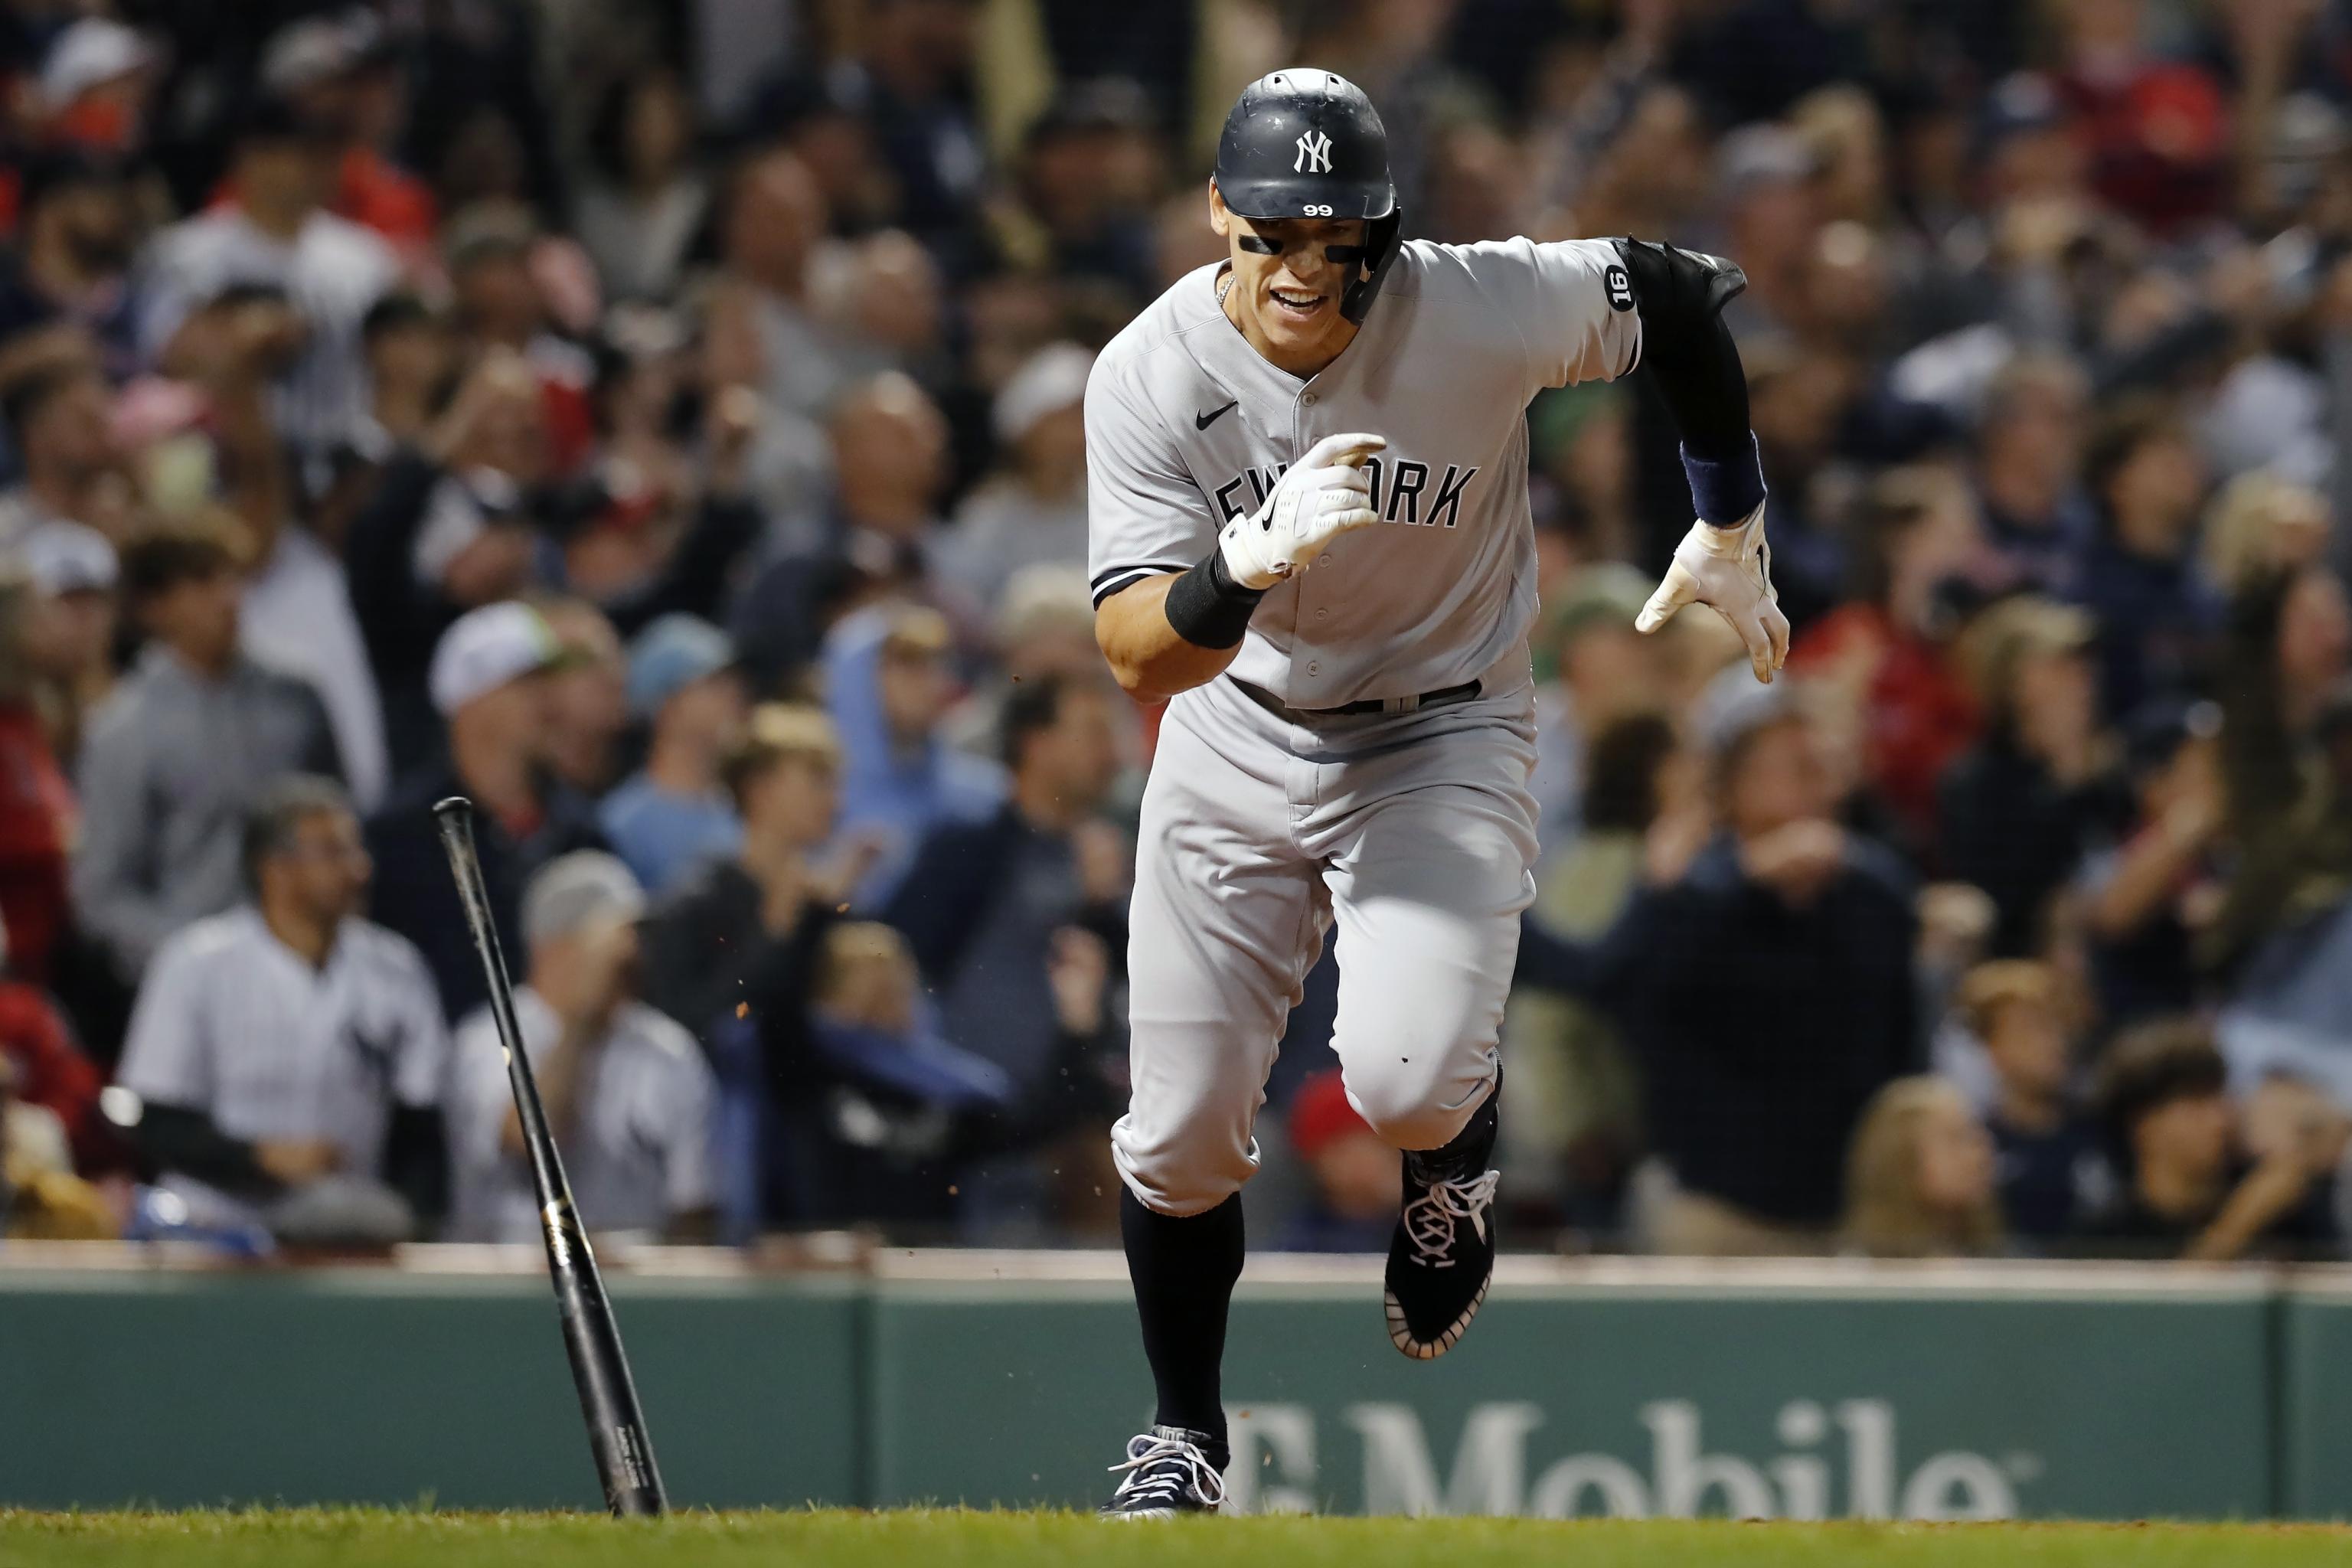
1728	570
1325	494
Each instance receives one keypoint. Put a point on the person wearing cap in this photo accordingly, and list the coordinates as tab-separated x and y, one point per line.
627	1093
342	73
2018	811
488	682
1754	1082
94	85
673	814
181	749
70	637
1354	1172
288	1055
1034	510
275	231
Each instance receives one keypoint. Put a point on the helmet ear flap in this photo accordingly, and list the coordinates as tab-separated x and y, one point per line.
1383	236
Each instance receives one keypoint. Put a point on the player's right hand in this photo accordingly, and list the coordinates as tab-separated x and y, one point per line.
1325	494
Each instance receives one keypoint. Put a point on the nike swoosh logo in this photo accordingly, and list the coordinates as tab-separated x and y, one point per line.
1203	421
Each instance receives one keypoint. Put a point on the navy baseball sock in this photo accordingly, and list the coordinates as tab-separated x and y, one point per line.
1184	1271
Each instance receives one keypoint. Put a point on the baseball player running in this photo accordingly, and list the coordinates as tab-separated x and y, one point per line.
1309	530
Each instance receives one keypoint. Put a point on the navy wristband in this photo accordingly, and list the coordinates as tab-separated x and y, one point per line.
1208	608
1723	491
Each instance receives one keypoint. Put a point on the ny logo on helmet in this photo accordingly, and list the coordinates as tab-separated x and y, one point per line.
1314	154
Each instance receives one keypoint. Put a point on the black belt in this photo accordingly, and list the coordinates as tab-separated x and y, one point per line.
1444	696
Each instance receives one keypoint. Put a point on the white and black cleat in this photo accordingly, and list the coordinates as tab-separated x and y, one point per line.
1440	1260
1169	1471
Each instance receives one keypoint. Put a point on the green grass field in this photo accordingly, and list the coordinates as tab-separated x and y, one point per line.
948	1539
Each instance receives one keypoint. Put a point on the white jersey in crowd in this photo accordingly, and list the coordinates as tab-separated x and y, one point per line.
638	1152
1188	425
332	273
233	1022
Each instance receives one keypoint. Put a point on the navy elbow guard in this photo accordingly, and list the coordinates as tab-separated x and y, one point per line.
1681	295
1678	291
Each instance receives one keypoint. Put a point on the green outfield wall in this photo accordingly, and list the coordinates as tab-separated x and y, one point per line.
1625	1390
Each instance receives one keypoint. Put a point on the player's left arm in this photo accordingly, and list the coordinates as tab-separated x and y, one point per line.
1723	562
1595	308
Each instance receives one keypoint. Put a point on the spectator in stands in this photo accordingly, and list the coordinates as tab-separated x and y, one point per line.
2163	1095
274	231
1045	625
1354	1170
2158	618
628	1096
890	461
38	814
737	941
2283	931
41	1199
641	212
489	682
1592	669
890	1112
1886	657
47	1069
984	901
2146	901
342	73
759	331
2259	525
1919	1181
2021	808
587	694
887	679
289	1055
1033	511
70	627
183	749
674	813
1755	1079
77	229
1572	1130
59	417
2029	469
446	532
2052	1165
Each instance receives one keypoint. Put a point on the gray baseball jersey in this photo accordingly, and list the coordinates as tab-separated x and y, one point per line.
1188	425
231	1022
638	1154
1265	823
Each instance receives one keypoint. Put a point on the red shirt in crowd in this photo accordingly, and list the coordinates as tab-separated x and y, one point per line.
36	823
51	1073
1917	714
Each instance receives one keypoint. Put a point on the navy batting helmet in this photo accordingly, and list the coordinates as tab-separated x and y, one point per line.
1306	143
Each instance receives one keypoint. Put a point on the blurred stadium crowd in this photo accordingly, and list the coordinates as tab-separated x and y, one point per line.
662	423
